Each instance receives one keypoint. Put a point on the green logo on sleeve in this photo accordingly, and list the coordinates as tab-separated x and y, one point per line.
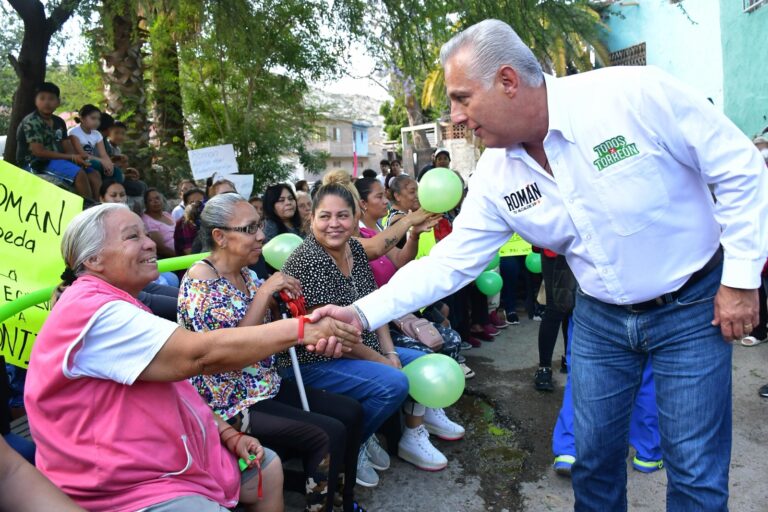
613	150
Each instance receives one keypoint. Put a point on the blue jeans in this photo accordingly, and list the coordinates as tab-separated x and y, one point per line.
379	388
692	372
643	426
23	447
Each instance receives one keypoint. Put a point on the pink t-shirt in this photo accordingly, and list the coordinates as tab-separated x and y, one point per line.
382	267
165	230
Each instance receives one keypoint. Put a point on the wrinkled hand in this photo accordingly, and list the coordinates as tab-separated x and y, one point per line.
279	281
247	446
420	216
428	224
737	312
330	337
345	314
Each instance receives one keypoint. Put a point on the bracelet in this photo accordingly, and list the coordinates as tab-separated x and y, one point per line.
221	432
304	319
361	315
392	354
238	436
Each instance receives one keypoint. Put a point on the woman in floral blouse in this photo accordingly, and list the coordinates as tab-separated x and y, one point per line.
221	292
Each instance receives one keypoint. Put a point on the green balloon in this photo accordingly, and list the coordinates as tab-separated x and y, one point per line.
495	262
435	380
533	262
15	307
179	262
489	283
277	250
440	190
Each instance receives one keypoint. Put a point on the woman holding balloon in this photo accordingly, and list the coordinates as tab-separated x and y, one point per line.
220	292
333	268
373	206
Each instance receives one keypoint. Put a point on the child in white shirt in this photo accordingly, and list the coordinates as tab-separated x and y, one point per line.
88	142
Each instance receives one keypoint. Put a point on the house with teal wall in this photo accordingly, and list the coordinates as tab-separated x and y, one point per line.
719	47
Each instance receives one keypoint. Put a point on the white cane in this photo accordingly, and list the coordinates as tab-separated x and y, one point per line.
294	359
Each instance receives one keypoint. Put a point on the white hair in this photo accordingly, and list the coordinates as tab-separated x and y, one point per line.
84	236
492	44
218	212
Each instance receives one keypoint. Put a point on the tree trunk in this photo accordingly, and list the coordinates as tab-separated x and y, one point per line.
168	113
30	64
124	84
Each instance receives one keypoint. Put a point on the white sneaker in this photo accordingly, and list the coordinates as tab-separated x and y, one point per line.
414	447
438	424
377	456
366	475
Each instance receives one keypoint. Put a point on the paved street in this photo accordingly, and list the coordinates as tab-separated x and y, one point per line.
504	462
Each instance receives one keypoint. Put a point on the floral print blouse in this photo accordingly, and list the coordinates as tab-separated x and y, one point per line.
208	304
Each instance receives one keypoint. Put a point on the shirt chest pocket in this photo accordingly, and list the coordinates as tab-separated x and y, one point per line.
634	195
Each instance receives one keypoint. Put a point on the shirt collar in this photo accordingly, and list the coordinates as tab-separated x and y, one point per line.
557	113
557	108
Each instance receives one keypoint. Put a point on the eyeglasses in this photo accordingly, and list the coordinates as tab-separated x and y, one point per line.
250	229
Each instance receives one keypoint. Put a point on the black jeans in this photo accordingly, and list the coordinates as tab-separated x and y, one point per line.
333	428
560	287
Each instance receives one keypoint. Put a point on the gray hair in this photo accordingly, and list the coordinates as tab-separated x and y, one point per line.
218	212
85	235
493	44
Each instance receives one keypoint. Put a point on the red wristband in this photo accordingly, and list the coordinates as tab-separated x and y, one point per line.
302	320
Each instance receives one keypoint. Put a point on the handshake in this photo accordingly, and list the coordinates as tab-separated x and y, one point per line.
332	330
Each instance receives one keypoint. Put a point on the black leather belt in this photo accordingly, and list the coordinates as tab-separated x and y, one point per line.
671	297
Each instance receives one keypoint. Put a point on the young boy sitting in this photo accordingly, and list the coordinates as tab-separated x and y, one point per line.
116	137
42	146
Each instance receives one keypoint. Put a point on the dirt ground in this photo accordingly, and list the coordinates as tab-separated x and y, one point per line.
504	462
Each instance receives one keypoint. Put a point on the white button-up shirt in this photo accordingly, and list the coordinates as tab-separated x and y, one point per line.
632	151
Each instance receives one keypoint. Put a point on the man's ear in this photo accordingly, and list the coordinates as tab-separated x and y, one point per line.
510	81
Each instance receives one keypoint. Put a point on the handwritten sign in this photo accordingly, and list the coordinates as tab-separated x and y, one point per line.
33	215
243	183
218	160
516	246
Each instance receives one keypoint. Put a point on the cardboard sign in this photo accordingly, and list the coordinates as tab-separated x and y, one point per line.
243	183
33	216
218	160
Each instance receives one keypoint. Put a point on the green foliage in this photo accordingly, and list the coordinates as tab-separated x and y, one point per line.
244	75
79	84
395	118
312	161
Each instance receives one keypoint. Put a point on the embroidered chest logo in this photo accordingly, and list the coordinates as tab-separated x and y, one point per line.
523	199
614	150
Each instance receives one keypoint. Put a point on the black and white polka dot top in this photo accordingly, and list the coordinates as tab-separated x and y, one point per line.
323	283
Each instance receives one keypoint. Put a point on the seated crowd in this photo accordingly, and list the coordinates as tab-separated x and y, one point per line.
144	389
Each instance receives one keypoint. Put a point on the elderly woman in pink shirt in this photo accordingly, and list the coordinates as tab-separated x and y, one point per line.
117	425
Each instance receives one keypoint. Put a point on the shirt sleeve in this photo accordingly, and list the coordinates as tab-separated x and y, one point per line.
459	258
32	133
701	137
121	341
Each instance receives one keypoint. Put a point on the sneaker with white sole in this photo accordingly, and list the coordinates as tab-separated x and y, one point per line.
377	456
366	475
438	424
414	447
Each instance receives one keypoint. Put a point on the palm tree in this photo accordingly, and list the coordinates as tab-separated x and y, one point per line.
563	34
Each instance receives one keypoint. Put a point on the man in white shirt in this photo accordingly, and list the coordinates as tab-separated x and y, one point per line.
610	168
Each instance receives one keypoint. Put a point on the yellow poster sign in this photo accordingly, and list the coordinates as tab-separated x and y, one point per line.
516	246
33	215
